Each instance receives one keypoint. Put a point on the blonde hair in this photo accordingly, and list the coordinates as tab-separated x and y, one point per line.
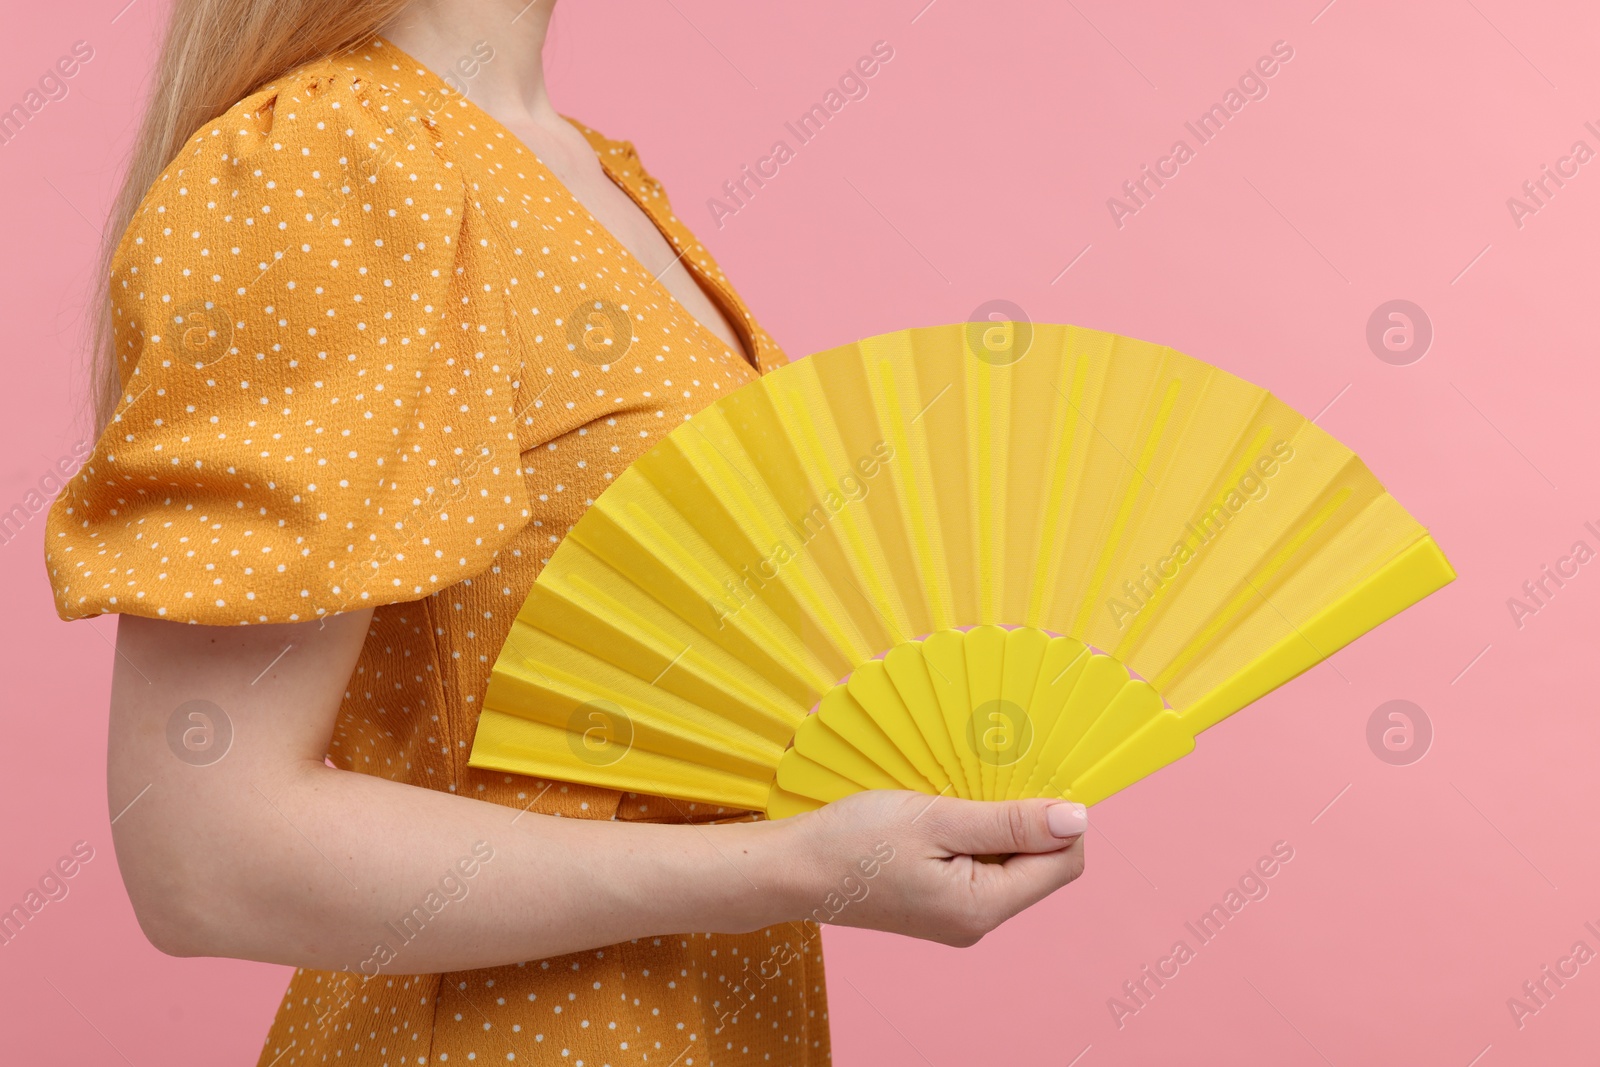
214	54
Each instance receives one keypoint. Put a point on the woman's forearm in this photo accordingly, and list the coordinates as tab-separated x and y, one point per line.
257	849
267	853
349	870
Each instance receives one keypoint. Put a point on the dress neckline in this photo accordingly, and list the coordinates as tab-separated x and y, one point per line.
715	290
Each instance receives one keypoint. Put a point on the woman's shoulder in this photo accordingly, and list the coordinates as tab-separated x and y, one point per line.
325	132
317	405
347	95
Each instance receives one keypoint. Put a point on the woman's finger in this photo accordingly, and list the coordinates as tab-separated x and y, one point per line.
1027	878
979	828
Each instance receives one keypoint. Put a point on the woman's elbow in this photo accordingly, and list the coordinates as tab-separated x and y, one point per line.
178	898
169	916
169	934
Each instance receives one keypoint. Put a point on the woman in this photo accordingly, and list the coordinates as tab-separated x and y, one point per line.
362	371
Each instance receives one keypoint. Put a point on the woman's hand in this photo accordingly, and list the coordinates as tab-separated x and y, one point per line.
905	862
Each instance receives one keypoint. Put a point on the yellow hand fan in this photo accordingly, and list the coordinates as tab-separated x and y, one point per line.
1000	559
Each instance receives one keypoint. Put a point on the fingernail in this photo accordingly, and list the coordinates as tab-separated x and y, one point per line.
1067	819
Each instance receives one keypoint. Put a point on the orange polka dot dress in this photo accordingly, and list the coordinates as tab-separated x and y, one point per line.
375	355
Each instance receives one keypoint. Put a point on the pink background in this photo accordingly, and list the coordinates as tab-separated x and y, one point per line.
978	168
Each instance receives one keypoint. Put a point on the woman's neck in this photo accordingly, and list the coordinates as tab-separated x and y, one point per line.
448	36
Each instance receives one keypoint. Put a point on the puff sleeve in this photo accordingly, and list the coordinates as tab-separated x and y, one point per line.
318	415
